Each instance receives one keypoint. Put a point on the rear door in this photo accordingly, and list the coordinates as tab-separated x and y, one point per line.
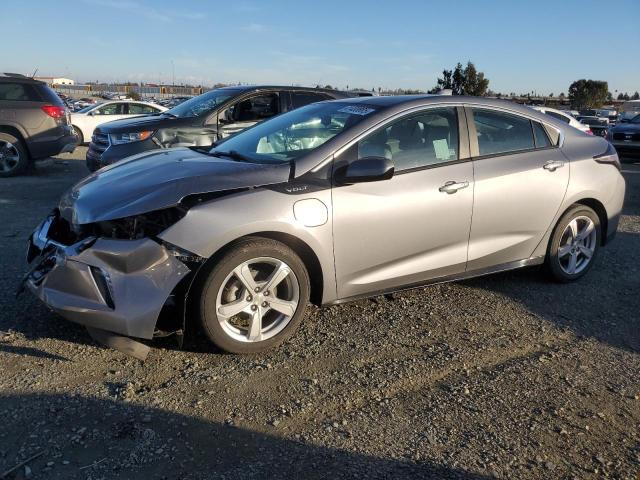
138	109
520	182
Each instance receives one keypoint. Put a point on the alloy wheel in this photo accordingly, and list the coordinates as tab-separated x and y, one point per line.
9	156
258	299
577	245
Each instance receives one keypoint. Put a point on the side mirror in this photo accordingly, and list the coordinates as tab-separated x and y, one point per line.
367	169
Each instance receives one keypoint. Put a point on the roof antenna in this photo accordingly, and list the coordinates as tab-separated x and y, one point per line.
34	73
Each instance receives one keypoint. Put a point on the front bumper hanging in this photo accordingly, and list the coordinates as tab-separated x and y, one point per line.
118	286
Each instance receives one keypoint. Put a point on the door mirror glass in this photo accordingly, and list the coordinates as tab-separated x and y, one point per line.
366	169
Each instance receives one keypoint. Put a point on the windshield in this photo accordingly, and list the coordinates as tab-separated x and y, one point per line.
294	134
636	119
202	103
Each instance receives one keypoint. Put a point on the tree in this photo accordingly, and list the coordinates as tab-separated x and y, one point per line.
636	96
626	97
463	81
585	94
474	82
621	96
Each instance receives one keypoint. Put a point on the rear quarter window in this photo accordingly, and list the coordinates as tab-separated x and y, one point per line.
48	95
18	92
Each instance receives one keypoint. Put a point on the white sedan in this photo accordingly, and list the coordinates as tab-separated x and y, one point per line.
86	120
565	117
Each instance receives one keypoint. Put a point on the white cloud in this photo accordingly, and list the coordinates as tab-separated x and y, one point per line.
255	28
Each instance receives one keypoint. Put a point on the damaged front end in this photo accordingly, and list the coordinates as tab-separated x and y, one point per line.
113	277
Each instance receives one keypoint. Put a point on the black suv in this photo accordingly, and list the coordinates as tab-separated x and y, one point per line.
199	121
34	123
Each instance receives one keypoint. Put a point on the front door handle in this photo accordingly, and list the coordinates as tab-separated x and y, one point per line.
553	165
452	187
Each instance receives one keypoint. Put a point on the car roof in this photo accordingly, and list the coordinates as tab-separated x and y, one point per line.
17	77
247	88
408	101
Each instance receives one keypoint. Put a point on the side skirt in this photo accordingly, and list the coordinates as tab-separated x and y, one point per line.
504	267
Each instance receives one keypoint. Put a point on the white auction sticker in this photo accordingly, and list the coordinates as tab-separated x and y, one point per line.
357	110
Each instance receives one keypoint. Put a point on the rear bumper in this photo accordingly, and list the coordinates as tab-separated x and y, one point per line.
49	147
114	285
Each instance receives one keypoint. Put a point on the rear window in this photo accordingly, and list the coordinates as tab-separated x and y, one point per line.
18	92
48	95
558	116
500	132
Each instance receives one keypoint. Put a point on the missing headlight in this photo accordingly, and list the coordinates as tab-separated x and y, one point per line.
145	225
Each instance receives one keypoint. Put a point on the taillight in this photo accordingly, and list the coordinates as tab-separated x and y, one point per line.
588	132
54	111
609	156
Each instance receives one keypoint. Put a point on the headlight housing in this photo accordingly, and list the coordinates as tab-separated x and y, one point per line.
121	138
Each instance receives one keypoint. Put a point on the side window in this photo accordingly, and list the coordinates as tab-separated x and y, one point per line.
140	109
111	109
558	116
540	135
424	139
300	99
500	132
254	109
17	92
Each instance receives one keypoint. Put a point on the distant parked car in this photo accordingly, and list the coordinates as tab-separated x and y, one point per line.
565	117
86	120
598	125
625	136
610	114
34	124
199	121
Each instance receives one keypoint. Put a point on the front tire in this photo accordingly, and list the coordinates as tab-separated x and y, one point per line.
574	244
14	159
79	136
254	297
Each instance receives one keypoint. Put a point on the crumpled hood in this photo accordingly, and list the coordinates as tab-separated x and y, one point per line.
157	180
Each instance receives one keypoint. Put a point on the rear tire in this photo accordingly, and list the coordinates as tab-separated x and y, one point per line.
79	136
254	297
574	244
14	158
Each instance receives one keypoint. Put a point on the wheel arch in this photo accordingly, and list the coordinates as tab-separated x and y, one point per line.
299	246
600	210
15	131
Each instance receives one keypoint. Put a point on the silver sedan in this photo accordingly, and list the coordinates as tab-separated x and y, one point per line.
334	201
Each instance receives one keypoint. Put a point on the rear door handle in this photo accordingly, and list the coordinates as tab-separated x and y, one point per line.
553	165
452	187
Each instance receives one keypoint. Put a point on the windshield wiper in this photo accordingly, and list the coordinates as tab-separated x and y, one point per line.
233	155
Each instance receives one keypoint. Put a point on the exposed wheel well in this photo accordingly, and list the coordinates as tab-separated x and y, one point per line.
602	215
303	250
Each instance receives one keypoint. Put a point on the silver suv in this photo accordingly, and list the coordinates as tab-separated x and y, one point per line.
34	124
334	201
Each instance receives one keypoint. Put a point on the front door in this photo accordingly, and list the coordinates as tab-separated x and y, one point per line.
413	227
247	112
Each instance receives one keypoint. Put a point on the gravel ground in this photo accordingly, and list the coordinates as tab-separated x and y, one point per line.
505	376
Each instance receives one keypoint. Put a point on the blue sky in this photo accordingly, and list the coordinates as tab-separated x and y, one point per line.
520	45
